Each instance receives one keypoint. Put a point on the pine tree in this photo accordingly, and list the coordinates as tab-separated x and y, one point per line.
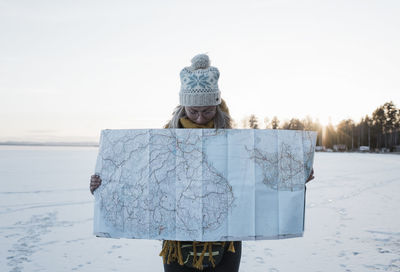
253	122
275	123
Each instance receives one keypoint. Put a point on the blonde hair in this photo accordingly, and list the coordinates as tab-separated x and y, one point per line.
222	119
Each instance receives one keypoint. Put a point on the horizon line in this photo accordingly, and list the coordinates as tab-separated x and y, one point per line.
33	143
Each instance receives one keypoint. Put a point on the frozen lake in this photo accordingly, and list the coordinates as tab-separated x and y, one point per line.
352	218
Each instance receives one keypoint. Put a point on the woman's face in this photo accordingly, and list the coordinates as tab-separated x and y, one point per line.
201	115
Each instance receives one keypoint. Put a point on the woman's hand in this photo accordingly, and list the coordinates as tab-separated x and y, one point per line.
311	177
95	182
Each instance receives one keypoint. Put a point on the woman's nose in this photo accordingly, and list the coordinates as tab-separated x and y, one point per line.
200	118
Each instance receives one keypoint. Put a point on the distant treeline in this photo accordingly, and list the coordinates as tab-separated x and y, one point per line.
380	130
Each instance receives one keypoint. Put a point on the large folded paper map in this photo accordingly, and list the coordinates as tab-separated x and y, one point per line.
202	184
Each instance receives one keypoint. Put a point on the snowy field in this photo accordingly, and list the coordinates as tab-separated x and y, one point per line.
46	212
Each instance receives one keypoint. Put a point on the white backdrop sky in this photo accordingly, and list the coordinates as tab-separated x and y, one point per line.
71	68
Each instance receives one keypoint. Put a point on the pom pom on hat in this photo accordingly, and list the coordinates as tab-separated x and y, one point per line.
200	61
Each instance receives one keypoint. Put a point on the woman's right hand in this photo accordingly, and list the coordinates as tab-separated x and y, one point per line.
95	182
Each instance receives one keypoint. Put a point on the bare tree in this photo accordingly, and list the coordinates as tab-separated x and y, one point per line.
267	122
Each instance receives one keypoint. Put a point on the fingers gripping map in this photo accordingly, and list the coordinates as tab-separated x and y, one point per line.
202	184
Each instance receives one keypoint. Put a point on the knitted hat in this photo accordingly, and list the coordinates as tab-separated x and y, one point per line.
199	83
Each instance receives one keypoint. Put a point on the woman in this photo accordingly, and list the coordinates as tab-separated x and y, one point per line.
200	106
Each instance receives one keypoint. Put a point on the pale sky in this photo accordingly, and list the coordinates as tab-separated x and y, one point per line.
71	68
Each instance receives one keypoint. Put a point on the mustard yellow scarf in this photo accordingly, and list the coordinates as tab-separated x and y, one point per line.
187	123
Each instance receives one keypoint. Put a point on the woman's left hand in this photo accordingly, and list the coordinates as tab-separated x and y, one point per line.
311	177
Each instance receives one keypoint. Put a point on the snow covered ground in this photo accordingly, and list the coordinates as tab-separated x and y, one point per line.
46	211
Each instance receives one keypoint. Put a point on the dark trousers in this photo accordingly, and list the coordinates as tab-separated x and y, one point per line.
230	263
